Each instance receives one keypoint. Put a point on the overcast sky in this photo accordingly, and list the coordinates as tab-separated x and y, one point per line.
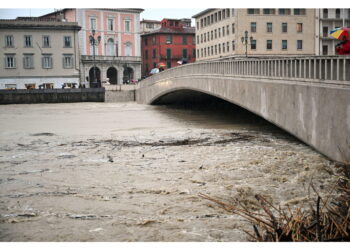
148	13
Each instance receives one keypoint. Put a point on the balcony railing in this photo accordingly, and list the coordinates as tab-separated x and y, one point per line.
112	58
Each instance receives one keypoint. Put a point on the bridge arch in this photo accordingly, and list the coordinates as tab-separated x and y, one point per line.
300	95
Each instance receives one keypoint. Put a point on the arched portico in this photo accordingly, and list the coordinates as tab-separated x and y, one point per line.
112	75
94	77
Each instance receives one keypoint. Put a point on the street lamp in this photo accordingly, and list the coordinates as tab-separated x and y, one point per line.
245	41
94	42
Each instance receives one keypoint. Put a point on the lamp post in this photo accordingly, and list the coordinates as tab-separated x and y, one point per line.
94	42
245	41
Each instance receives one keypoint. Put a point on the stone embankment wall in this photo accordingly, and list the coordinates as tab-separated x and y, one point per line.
120	93
24	96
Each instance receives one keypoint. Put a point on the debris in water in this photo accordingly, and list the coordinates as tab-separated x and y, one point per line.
43	134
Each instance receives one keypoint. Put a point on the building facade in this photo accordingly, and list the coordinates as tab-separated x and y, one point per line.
116	55
329	19
222	32
38	53
149	25
170	45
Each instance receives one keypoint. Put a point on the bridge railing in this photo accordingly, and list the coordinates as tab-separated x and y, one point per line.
328	69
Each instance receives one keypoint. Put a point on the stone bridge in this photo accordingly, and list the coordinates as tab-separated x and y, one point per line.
309	97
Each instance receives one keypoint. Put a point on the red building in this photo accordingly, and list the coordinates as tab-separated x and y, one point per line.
172	44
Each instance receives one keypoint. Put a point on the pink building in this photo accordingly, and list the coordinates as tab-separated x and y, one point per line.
118	52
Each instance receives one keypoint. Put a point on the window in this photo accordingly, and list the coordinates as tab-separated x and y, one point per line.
9	41
269	11
67	41
184	53
219	31
228	46
184	39
284	27
233	28
10	61
28	62
253	11
127	27
128	49
194	52
146	54
269	27
46	42
284	12
228	29
325	50
223	31
223	47
233	46
169	39
151	25
11	86
168	64
153	40
253	27
146	41
29	85
325	31
47	62
284	44
325	13
299	27
269	44
299	44
337	13
208	36
253	44
168	53
216	17
211	35
67	61
299	12
110	22
216	35
93	23
154	55
216	49
28	41
212	50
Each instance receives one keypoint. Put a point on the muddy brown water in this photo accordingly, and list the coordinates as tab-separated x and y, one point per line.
130	172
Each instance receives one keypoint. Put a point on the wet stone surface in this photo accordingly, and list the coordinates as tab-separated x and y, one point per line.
129	172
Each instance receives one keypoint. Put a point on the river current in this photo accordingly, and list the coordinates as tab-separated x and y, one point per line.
130	172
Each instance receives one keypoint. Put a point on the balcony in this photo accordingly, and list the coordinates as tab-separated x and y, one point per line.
115	59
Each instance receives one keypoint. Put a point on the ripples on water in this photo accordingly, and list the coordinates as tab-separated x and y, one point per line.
129	172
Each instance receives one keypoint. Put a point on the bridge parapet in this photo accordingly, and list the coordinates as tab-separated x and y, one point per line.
330	69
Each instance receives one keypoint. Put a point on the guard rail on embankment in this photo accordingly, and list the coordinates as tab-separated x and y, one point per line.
24	96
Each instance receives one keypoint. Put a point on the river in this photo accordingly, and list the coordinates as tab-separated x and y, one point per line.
129	172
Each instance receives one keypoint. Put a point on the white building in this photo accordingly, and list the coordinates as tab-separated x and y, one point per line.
37	52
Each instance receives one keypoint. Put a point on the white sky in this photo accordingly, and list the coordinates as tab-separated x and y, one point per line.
156	9
148	13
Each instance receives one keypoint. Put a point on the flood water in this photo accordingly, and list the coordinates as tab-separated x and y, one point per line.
130	172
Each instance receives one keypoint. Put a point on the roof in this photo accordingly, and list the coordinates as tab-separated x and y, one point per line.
167	30
37	23
202	13
150	21
117	10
